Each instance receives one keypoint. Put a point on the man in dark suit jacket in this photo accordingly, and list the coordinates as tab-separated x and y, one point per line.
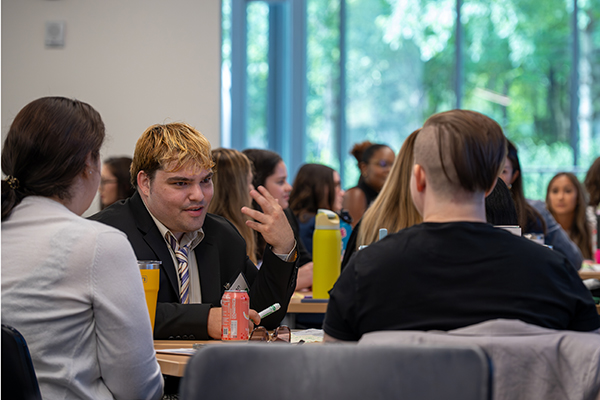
172	170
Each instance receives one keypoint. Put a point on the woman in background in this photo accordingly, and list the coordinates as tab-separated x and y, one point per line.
78	299
565	199
374	162
316	186
530	220
232	184
115	182
533	215
270	171
393	209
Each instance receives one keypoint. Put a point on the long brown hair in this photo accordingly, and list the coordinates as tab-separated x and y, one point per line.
393	208
232	170
580	232
313	189
47	147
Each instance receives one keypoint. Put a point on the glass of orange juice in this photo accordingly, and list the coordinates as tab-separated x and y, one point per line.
150	271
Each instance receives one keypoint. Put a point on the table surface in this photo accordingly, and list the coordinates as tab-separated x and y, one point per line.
296	305
174	364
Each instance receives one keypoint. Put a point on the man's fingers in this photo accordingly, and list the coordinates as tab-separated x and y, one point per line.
252	213
263	198
254	317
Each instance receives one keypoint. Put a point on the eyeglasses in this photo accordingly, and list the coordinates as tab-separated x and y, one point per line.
382	164
281	334
107	181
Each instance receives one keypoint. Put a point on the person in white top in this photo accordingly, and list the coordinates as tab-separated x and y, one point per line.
70	286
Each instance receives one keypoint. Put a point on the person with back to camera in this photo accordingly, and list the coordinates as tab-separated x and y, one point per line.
374	162
592	185
534	217
316	186
115	182
393	208
172	170
233	183
78	299
270	171
565	199
454	269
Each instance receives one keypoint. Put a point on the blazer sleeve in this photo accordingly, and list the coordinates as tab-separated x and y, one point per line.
274	283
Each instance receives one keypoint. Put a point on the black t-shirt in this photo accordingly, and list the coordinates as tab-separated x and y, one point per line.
443	276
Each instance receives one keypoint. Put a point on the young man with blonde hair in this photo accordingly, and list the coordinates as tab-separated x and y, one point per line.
454	270
202	254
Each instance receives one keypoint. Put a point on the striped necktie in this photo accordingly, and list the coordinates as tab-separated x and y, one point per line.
181	254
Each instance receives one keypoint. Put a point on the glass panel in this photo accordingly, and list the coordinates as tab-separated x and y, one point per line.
517	71
589	82
400	64
226	74
323	74
257	73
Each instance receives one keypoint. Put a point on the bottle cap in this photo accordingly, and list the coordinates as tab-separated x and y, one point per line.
326	219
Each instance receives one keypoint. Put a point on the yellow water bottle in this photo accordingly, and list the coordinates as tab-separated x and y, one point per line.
327	250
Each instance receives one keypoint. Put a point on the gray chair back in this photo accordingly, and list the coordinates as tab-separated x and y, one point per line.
337	371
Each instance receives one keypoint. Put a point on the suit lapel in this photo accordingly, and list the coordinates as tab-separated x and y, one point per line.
152	237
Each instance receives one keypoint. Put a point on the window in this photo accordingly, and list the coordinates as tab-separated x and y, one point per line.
314	77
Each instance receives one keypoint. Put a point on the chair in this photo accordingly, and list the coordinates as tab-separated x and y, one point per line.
336	371
530	362
18	376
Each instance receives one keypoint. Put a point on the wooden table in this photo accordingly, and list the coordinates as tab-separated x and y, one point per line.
296	305
174	364
587	274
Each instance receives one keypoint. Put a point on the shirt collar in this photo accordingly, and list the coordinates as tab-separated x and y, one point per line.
192	239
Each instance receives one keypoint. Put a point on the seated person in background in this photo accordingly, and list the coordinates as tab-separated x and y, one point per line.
115	183
533	215
393	208
374	162
592	185
316	186
71	286
233	182
172	168
270	171
565	199
499	206
455	270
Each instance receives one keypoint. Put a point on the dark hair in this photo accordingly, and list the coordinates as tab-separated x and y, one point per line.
119	167
47	147
474	144
592	183
313	189
359	149
528	216
371	150
499	206
365	150
264	163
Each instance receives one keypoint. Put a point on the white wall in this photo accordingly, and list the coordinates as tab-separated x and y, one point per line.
138	62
